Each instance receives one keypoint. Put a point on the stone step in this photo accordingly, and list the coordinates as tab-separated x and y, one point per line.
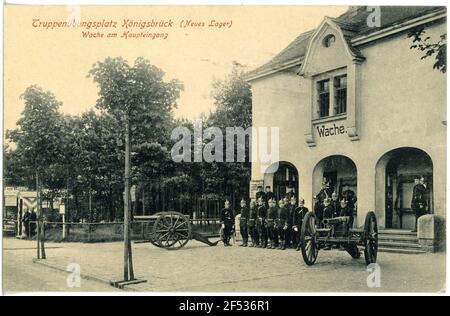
400	250
401	232
401	245
393	238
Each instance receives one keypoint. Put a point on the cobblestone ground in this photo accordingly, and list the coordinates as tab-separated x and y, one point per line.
198	268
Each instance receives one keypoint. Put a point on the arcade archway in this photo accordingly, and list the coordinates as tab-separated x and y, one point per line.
341	175
394	182
282	179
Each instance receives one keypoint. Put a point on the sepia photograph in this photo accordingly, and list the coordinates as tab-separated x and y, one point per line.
248	149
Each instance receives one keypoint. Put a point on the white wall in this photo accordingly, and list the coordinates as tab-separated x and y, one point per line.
402	104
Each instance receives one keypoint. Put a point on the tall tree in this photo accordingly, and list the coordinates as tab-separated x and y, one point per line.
134	94
39	130
233	101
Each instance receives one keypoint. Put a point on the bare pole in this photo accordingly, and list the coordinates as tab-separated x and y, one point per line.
127	256
37	216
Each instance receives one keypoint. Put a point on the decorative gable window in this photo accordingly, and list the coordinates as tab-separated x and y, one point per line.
340	94
329	40
331	71
323	90
331	93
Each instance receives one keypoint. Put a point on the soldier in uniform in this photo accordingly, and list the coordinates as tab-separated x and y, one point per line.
328	211
290	193
286	224
227	221
346	211
26	222
252	224
279	223
349	196
33	220
261	193
243	224
325	192
419	200
318	208
269	194
290	233
335	204
272	231
298	216
261	223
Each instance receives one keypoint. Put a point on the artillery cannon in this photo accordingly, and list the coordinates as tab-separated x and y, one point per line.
172	230
336	233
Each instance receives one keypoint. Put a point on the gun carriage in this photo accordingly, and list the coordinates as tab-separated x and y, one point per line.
171	230
336	233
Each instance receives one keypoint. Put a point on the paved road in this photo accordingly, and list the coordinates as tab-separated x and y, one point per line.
20	274
198	267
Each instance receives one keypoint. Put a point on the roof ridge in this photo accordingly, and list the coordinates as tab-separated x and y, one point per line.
353	21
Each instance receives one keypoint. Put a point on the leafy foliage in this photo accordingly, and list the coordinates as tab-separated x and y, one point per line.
422	43
233	101
82	156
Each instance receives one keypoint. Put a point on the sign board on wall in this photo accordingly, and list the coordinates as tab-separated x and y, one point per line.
10	200
254	187
330	131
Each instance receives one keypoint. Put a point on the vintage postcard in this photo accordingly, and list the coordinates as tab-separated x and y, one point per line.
275	149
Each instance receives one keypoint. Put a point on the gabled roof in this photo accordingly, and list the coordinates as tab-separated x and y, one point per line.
353	23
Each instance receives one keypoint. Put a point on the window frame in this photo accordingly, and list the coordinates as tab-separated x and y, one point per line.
340	108
323	93
330	77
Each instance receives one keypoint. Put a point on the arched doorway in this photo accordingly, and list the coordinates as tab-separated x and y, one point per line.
282	179
395	174
341	174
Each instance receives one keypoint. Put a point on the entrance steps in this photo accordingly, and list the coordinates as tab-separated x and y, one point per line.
398	241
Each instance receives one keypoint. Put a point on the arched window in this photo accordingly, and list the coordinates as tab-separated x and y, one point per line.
329	40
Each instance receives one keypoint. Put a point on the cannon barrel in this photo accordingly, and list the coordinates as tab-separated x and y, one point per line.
337	220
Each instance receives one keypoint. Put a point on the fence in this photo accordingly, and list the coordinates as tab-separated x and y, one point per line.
113	231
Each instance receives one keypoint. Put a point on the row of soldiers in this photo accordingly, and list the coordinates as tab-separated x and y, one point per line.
277	225
267	225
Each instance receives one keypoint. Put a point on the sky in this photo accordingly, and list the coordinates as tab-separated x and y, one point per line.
59	59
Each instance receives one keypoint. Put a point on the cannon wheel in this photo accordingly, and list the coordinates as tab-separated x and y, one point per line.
370	238
353	251
172	230
308	239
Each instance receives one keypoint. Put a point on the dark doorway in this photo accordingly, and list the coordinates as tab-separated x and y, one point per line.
285	178
403	166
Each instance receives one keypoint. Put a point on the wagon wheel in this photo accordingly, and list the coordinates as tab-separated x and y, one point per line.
172	230
353	251
153	239
308	239
370	238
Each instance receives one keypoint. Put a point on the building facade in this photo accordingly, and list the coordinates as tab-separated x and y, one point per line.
356	105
